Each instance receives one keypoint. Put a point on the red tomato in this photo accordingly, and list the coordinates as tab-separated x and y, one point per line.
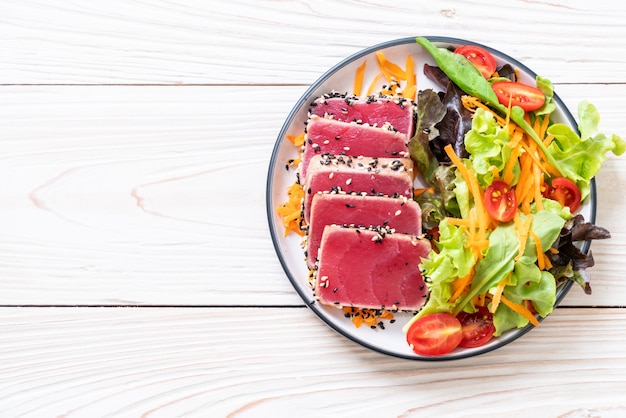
477	328
500	201
527	97
480	57
434	334
565	192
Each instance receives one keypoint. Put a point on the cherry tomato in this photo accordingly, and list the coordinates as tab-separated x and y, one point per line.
565	192
527	97
477	328
434	334
500	201
480	57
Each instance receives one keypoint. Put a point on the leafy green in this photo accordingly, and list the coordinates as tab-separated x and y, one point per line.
451	260
547	88
581	157
462	72
465	75
487	143
495	266
442	202
430	111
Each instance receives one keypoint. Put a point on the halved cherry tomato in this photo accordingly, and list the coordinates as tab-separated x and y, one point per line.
477	328
434	334
565	192
500	201
527	97
480	57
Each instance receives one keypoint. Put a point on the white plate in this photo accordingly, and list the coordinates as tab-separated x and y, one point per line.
391	340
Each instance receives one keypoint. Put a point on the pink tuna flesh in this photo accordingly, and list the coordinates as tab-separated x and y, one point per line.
346	175
401	214
328	136
373	110
358	268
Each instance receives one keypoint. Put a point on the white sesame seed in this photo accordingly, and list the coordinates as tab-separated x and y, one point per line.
398	212
349	181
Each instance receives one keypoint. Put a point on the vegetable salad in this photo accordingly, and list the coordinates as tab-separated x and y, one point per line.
504	184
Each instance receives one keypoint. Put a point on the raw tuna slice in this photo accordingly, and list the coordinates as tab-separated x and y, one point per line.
362	175
373	110
400	214
367	268
329	136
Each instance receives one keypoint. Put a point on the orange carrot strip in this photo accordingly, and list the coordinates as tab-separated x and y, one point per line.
495	300
544	126
458	221
381	63
482	217
537	189
358	79
297	140
520	309
523	229
419	191
409	92
374	83
460	285
411	79
541	262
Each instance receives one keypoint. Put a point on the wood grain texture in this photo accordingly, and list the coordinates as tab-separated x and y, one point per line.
251	362
277	42
156	196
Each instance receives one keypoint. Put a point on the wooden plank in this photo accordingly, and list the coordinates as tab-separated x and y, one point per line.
282	362
252	41
156	195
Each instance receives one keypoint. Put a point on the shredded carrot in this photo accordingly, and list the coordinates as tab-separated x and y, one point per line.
544	126
496	173
369	317
411	80
496	298
482	217
523	229
419	191
358	80
381	60
507	174
409	92
471	103
538	185
458	222
541	263
291	211
547	261
461	285
388	67
373	84
297	140
520	309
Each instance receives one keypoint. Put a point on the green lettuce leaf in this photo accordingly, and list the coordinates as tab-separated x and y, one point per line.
487	144
580	157
452	260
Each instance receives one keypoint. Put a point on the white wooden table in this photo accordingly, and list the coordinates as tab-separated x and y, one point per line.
137	274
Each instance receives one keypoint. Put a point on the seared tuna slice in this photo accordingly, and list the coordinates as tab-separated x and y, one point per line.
373	110
372	269
400	214
329	136
364	175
